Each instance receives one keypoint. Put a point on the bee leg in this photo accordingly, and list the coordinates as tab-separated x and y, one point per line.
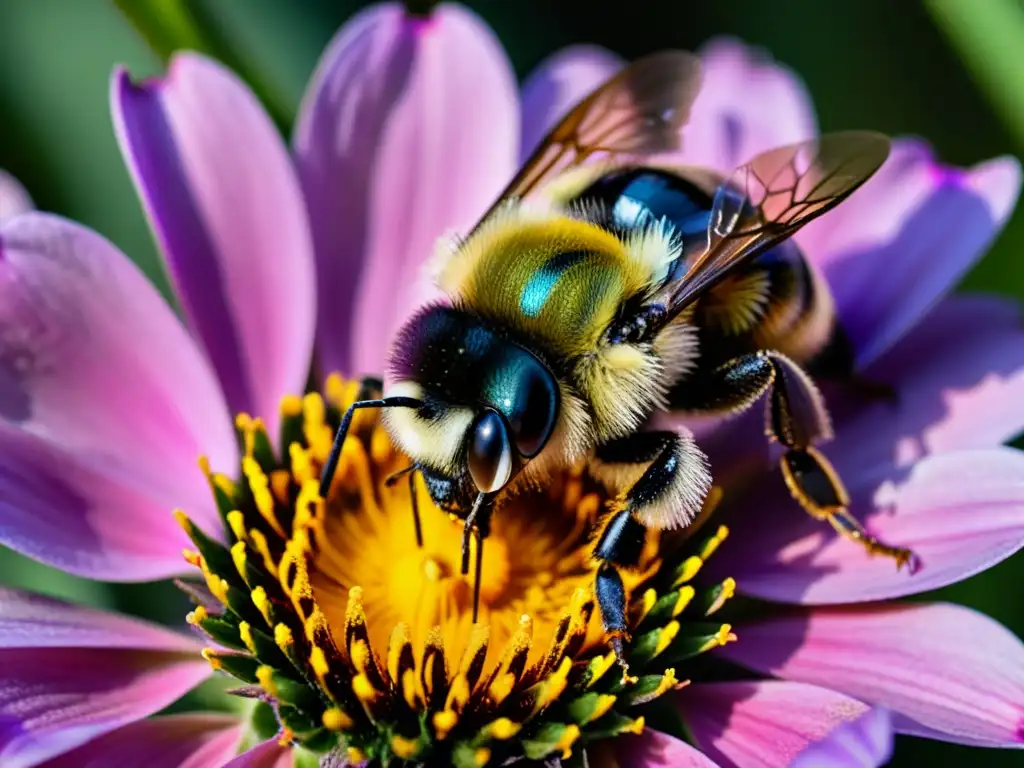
620	545
797	418
477	522
669	491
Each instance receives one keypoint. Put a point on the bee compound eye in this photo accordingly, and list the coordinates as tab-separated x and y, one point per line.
537	411
490	452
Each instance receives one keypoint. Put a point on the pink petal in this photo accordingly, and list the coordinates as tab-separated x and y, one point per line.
653	749
409	129
748	104
960	378
34	621
105	405
867	741
172	741
961	512
269	754
903	240
762	724
946	667
222	197
13	197
71	674
559	83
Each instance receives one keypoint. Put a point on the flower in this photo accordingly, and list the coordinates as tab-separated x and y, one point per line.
13	197
410	128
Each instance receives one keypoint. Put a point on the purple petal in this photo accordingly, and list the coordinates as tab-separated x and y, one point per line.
557	84
762	724
748	104
961	512
904	240
269	754
864	743
72	674
13	197
105	405
34	621
960	378
410	128
947	668
222	197
172	741
653	749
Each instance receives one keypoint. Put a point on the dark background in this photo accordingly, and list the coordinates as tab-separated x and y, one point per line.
951	71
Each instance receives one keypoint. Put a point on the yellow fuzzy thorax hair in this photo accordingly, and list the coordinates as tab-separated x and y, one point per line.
553	277
559	279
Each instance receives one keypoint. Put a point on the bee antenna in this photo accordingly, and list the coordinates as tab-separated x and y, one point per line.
331	465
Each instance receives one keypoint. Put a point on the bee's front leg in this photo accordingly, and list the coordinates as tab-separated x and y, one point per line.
673	482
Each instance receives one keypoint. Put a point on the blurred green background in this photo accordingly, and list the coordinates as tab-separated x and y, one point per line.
951	71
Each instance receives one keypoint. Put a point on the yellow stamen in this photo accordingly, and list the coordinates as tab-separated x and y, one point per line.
259	599
503	729
265	675
236	521
245	632
444	721
568	738
291	406
404	748
335	719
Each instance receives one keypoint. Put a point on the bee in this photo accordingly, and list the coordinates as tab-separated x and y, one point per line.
605	285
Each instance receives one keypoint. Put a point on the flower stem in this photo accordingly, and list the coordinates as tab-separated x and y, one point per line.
988	37
173	25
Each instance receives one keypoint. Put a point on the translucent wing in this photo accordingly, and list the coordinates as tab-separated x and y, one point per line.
771	197
639	111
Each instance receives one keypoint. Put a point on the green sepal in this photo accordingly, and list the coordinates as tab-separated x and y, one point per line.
645	647
713	598
700	637
264	721
240	602
299	721
585	708
664	609
296	693
270	654
612	724
645	689
321	741
217	557
223	630
240	665
544	740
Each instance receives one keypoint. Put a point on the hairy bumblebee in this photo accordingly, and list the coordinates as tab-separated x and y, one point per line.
622	286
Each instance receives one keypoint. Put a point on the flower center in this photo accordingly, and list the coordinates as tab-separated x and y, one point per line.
363	640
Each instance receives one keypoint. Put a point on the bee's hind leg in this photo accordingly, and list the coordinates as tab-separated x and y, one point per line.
671	486
796	418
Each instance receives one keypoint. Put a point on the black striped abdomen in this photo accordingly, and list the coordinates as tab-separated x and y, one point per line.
778	302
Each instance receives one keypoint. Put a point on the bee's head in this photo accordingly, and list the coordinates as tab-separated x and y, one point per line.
489	404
